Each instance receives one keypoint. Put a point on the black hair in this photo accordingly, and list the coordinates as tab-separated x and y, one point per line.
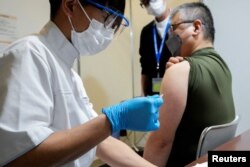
144	2
118	5
197	10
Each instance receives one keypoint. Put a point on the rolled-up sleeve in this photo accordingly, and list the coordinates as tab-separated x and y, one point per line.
26	101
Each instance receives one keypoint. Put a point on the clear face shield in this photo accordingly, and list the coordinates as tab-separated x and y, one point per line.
114	19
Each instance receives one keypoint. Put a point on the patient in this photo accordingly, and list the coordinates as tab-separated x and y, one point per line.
197	91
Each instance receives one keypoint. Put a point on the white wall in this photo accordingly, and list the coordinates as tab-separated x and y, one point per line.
31	14
232	40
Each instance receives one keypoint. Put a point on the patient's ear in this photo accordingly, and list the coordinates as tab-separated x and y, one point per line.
197	26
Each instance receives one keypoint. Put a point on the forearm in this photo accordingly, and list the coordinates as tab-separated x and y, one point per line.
157	152
117	153
65	146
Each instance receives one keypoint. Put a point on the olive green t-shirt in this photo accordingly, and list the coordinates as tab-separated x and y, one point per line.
209	102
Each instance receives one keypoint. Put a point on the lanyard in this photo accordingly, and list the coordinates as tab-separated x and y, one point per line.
158	52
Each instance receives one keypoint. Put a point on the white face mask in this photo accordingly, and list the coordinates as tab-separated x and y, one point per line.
93	40
157	7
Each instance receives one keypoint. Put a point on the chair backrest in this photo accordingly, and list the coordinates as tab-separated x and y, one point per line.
213	136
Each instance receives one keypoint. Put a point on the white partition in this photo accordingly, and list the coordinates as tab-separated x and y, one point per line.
232	41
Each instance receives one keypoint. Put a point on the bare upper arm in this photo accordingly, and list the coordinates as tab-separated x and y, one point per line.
174	87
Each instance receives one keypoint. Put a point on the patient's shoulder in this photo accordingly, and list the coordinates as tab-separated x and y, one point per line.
179	68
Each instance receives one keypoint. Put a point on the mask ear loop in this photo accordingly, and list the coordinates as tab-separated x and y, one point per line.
84	10
71	23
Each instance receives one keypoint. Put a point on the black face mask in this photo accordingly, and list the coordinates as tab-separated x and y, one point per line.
174	43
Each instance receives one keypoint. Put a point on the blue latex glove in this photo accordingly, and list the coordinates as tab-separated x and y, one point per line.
139	114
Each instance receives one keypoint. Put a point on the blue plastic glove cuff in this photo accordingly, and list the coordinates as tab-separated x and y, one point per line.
112	114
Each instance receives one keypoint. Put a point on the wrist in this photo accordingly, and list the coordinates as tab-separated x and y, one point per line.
111	116
107	123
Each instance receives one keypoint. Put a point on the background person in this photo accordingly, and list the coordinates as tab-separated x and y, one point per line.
153	51
197	91
46	118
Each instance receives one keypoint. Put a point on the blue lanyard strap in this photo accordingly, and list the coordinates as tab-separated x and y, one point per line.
158	52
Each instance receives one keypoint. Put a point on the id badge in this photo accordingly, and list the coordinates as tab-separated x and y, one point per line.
156	84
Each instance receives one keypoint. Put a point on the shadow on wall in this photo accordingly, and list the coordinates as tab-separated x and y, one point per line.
96	93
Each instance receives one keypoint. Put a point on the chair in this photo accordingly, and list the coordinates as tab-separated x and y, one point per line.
213	136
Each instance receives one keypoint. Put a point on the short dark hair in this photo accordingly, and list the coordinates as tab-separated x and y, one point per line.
197	10
118	5
145	2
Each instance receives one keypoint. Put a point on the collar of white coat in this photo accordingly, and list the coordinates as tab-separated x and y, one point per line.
60	44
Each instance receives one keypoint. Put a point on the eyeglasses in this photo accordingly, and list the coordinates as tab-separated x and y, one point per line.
114	19
173	27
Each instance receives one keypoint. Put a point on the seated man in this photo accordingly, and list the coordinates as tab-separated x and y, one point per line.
197	91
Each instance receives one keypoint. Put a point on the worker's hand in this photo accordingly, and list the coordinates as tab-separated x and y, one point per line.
174	60
139	114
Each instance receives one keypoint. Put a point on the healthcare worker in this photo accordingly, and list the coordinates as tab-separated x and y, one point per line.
154	53
46	118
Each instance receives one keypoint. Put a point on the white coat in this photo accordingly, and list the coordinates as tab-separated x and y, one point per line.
40	94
